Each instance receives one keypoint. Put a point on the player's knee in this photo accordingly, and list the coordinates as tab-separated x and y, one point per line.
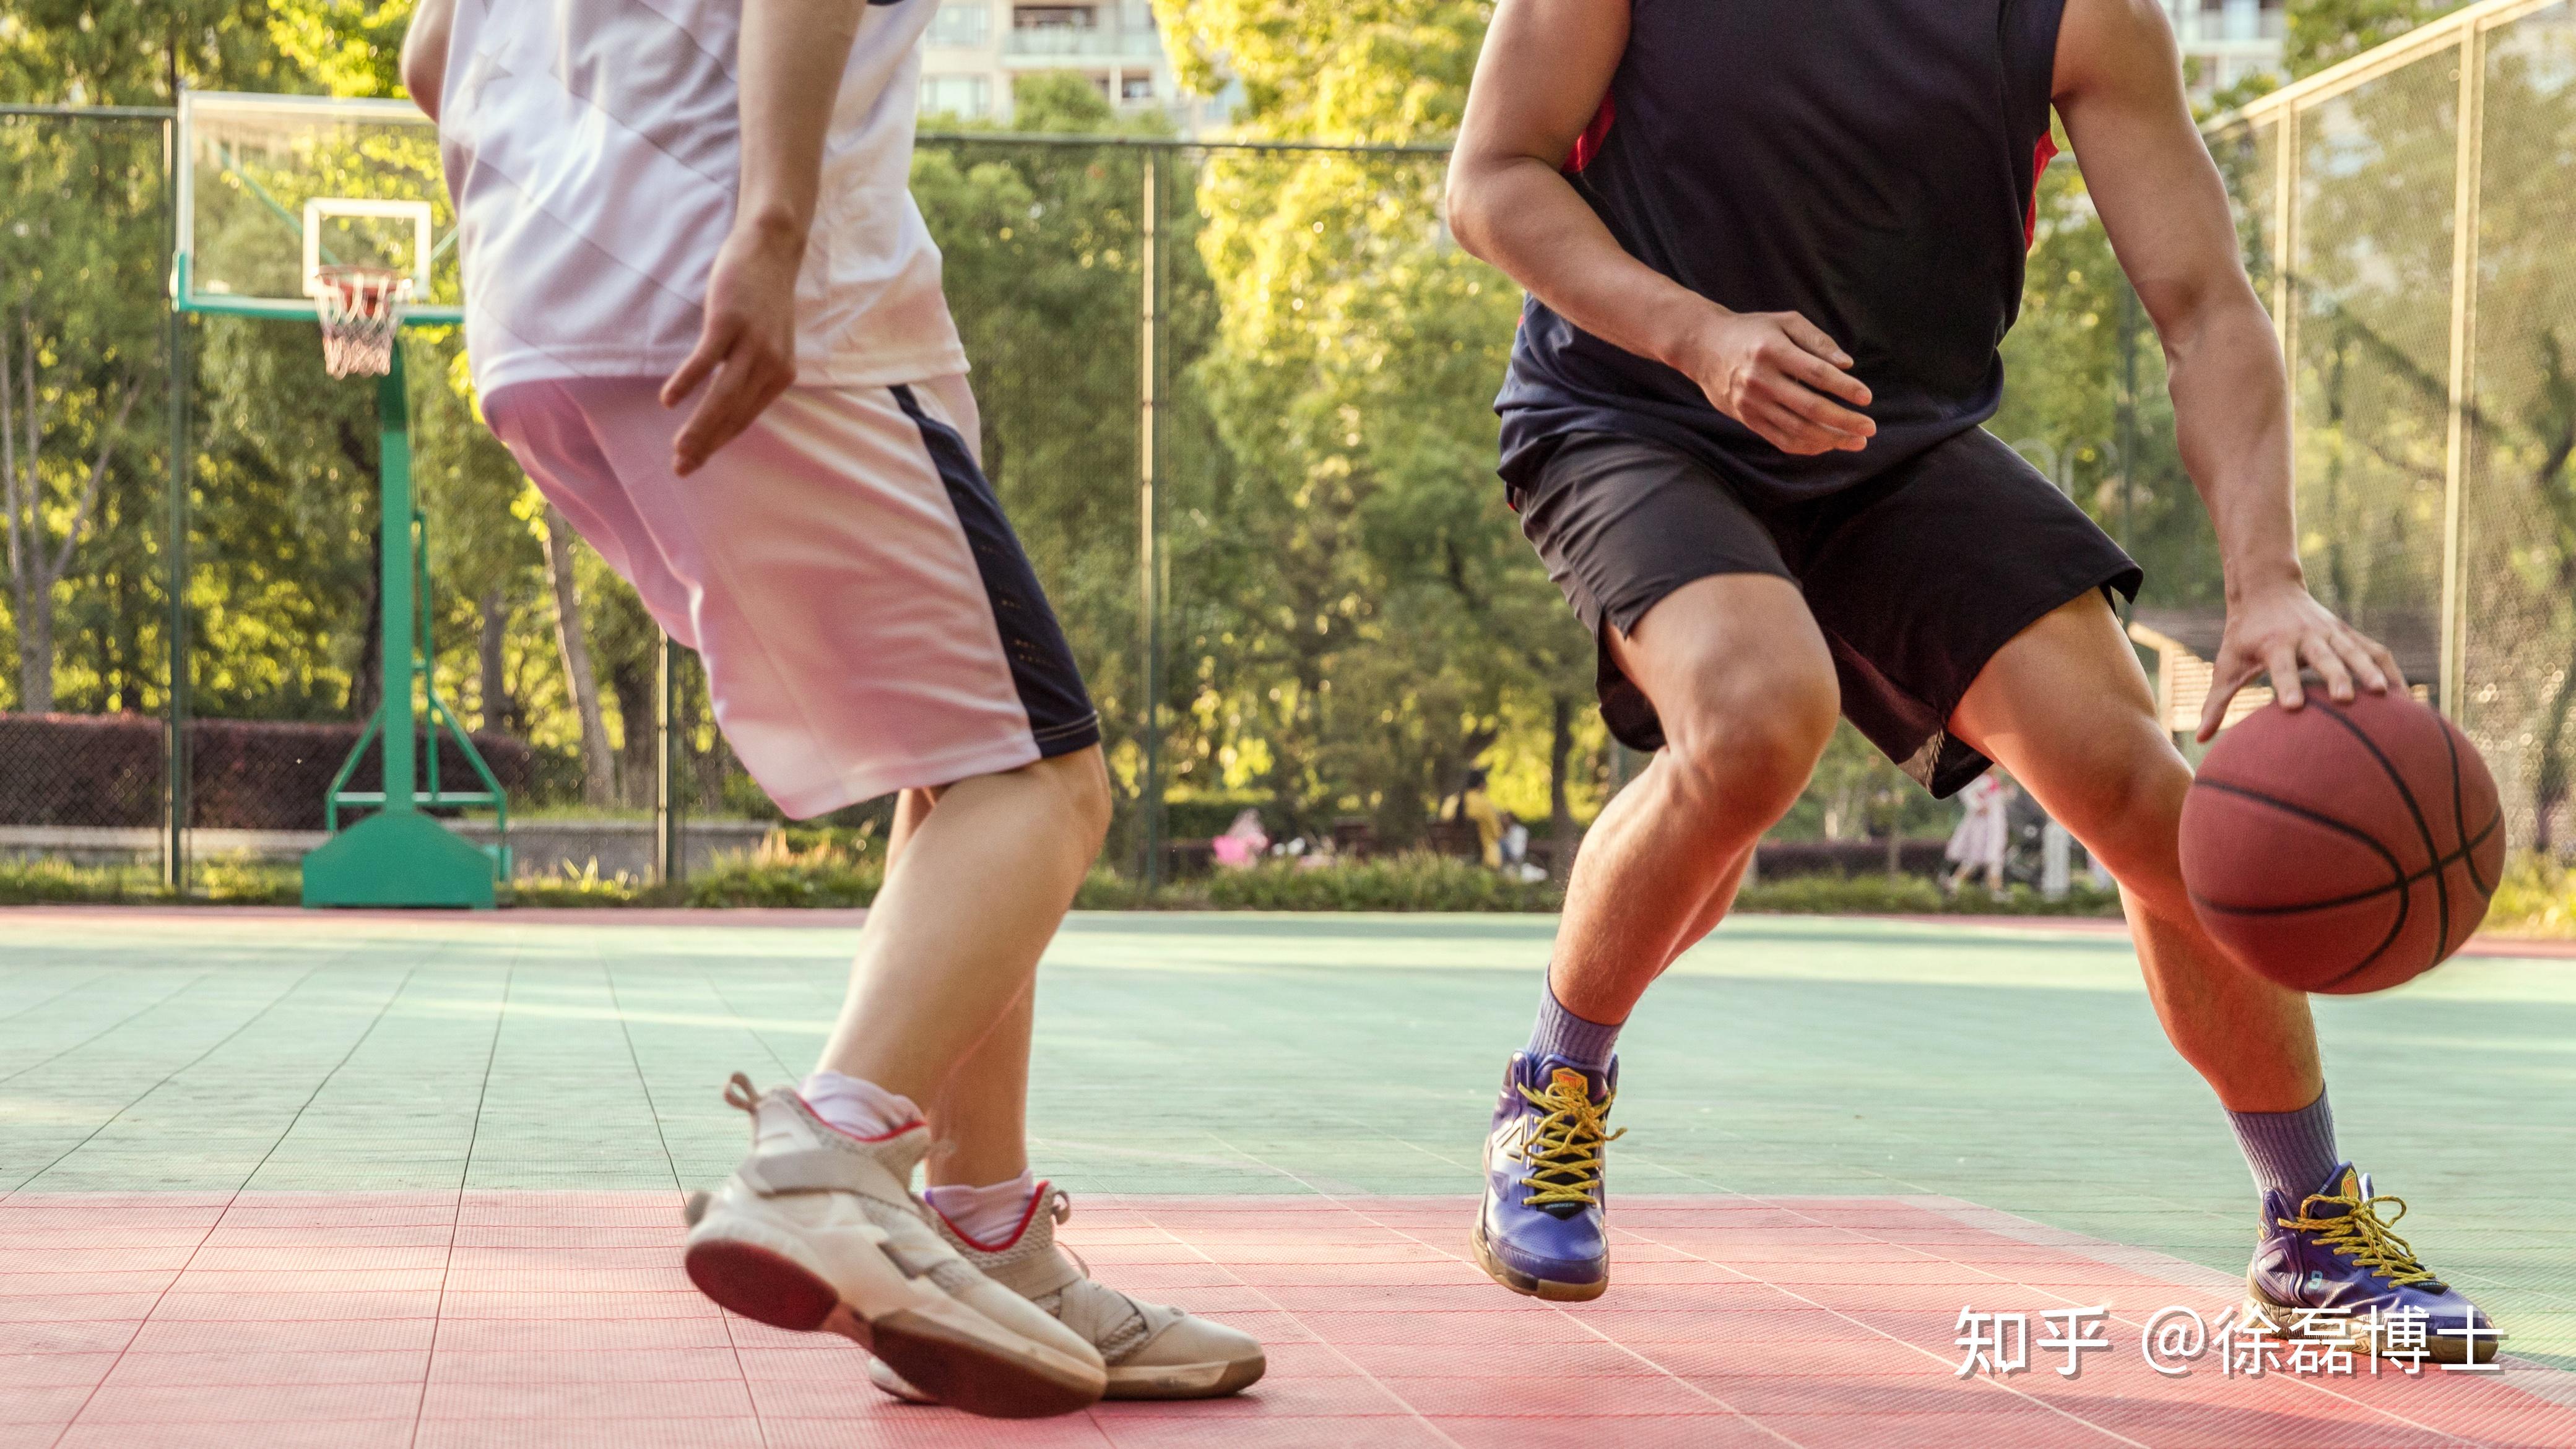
2125	803
1747	740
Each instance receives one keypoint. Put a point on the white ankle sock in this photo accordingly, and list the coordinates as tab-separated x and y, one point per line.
860	1108
988	1214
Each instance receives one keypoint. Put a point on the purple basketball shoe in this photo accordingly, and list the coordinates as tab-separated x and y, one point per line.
2329	1268
1540	1230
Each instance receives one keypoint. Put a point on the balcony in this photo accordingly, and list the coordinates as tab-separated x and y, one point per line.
1143	47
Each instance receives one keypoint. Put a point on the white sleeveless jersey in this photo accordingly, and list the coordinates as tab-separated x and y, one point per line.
593	152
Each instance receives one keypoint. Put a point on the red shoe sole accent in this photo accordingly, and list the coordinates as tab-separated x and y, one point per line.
972	1377
761	1285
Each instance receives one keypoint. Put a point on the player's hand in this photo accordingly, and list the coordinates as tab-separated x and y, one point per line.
1780	375
2281	630
748	343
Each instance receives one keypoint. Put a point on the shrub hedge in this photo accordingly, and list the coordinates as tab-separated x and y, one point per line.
105	770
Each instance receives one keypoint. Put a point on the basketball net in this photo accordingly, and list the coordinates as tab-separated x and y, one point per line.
361	309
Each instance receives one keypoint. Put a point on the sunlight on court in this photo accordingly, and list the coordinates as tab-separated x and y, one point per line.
342	1180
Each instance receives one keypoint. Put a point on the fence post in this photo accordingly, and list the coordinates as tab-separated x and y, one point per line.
174	558
669	867
1149	602
2464	323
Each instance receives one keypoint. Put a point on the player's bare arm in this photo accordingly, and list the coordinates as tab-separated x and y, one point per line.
1545	66
791	58
2119	89
424	53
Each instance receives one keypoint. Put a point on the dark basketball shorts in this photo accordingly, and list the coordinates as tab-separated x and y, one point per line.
1916	577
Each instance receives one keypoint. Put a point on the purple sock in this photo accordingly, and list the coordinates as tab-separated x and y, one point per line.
1561	1033
2290	1152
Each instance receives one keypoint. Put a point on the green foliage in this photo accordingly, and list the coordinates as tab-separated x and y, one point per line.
2537	897
1400	883
1914	895
2325	32
221	881
1361	558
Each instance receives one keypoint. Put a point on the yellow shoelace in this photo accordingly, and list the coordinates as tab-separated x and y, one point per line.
2363	1236
1563	1148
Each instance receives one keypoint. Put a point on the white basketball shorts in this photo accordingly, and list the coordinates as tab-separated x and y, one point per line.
868	620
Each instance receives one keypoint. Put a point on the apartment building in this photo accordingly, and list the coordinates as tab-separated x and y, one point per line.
976	48
2227	40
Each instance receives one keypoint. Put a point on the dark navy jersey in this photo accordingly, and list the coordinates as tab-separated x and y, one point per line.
1868	164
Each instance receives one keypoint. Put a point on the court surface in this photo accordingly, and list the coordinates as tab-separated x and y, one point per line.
330	1180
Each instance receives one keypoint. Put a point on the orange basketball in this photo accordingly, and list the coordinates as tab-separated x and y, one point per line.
2342	847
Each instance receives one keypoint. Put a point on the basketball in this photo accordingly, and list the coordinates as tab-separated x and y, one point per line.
2342	848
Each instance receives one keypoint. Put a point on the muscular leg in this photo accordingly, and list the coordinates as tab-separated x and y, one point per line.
931	981
2067	710
1740	675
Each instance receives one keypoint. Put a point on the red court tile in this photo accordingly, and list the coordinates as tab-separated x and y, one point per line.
271	1366
46	1404
288	1335
1183	1430
1704	1431
314	1434
258	1405
741	1433
704	1399
561	1320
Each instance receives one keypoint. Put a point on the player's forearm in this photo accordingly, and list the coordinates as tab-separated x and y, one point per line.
789	66
2232	418
1523	216
424	54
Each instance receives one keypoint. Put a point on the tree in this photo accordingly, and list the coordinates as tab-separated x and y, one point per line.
1371	569
2326	32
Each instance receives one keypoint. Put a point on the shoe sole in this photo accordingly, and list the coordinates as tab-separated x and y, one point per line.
1519	1282
2453	1349
1212	1380
953	1366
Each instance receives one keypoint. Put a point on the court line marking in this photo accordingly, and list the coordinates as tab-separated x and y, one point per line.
456	1210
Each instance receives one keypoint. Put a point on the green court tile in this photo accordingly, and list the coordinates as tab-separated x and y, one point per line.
2020	1069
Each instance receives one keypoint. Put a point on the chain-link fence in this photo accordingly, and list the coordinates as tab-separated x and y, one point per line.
1237	402
86	613
2409	219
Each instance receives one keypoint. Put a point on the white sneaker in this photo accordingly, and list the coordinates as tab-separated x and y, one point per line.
1153	1351
819	1229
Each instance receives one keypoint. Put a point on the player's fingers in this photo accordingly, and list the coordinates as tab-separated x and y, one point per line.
2359	656
714	341
1817	408
718	416
1812	337
2283	665
1786	430
752	379
2214	709
2318	651
1825	378
2386	659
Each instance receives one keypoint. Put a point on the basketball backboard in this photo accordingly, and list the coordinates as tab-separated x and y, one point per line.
271	188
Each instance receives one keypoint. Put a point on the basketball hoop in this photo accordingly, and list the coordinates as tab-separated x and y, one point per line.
361	309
